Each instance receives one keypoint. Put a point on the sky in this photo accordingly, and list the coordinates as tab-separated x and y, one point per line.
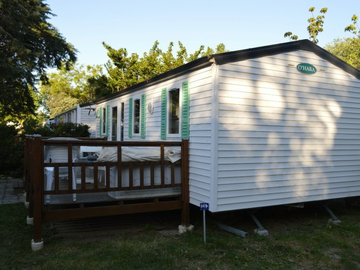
137	24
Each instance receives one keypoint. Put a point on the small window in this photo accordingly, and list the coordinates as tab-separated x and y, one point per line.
104	121
174	111
136	116
114	124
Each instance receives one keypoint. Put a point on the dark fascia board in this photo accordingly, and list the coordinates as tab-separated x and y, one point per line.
187	68
86	104
305	45
74	108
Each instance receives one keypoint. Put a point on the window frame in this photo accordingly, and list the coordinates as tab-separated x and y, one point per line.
168	113
136	134
103	128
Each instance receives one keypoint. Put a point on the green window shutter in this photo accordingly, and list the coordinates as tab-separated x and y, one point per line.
130	117
143	116
163	113
107	120
185	115
101	122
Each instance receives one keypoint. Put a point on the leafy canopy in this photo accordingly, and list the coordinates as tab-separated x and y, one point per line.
316	26
348	49
29	45
126	69
68	87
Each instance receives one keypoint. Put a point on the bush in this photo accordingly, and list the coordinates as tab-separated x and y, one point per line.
11	151
12	142
70	130
56	130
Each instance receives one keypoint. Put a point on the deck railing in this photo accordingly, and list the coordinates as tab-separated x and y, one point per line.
90	188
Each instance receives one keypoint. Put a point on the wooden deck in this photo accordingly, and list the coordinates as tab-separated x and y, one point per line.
113	196
114	188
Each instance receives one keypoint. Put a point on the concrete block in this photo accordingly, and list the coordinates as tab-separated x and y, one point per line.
334	221
36	246
261	232
184	229
29	220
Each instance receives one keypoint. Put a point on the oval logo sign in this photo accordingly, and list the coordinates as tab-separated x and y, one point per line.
306	68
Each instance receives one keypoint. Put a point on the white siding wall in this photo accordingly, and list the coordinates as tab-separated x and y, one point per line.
200	87
284	136
88	119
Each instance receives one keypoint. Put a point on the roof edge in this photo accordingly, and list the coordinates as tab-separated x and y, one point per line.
186	68
303	44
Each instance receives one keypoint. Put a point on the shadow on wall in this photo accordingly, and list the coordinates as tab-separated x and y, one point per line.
284	136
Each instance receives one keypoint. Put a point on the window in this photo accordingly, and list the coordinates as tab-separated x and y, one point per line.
136	116
122	121
104	121
114	124
174	111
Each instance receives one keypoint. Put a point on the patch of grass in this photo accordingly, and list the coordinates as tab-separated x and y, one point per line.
299	239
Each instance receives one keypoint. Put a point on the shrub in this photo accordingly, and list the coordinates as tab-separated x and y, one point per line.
12	141
11	151
56	130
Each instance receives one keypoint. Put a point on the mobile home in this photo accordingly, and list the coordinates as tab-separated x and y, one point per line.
80	114
266	126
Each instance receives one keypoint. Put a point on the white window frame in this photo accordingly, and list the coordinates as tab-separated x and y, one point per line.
135	98
103	128
168	134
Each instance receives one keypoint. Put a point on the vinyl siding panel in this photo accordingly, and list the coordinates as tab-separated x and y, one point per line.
286	137
89	119
200	89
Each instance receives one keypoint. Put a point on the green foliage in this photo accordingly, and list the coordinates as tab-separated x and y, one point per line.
70	130
126	70
29	46
12	140
67	88
60	103
347	49
314	28
354	27
291	36
55	130
316	24
11	151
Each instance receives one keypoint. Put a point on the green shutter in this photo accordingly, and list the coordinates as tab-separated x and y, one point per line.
143	116
163	113
130	117
107	120
101	120
185	115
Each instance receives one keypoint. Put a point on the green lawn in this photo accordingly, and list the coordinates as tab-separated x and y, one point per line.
299	239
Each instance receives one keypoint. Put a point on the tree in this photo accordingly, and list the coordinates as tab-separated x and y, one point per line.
354	27
348	49
126	70
68	87
29	45
314	28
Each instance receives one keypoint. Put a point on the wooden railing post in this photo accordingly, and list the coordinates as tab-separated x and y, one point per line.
28	171
185	214
38	175
30	178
